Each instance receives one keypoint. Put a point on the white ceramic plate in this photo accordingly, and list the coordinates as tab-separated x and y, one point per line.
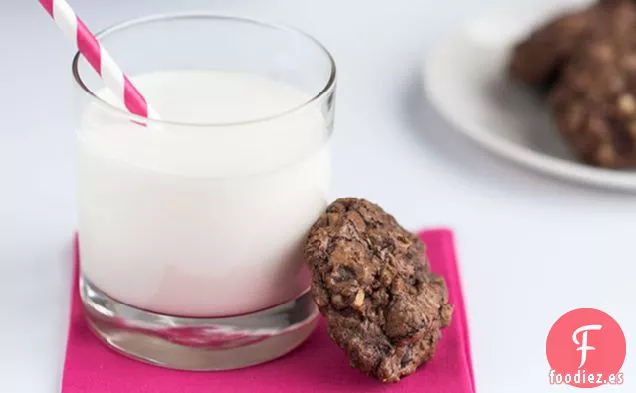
465	80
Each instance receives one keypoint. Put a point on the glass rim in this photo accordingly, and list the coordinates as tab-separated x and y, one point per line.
327	87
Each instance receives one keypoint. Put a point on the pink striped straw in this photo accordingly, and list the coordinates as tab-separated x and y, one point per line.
73	27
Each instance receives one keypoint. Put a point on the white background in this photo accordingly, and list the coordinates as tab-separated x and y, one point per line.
531	248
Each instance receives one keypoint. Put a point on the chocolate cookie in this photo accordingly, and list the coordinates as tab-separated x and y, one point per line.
371	281
594	103
537	60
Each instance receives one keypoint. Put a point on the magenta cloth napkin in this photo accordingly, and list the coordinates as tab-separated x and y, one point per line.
315	367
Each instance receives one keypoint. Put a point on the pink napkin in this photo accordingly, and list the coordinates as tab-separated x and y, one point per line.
316	366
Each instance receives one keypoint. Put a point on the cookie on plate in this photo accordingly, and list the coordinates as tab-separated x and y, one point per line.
594	102
371	281
537	60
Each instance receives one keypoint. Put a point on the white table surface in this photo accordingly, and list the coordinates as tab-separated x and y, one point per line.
531	248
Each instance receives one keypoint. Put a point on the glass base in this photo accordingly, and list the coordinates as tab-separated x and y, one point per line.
199	344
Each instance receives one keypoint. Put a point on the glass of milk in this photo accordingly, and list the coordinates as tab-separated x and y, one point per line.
191	227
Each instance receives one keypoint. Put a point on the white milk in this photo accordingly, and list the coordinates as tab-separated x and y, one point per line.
202	221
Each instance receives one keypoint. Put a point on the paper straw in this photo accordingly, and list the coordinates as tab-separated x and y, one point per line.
86	43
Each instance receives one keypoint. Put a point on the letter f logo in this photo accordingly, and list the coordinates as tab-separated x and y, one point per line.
584	347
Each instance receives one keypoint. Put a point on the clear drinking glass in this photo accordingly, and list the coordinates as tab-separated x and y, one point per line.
191	227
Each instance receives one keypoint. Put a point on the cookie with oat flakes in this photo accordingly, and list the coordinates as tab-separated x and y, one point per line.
371	280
